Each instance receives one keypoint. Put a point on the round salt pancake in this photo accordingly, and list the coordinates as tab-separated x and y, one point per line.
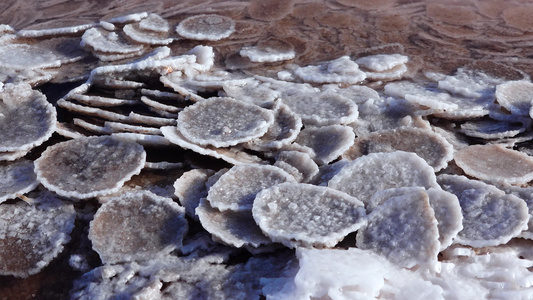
27	57
16	178
137	226
251	90
340	70
324	144
382	62
283	131
325	108
134	32
155	23
515	96
108	42
305	167
270	50
89	167
223	122
492	129
28	119
206	27
237	188
490	217
190	188
299	214
420	95
495	163
404	230
374	172
432	147
234	228
31	236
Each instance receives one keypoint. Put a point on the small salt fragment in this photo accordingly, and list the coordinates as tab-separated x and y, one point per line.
324	144
307	169
374	172
340	70
107	25
495	163
223	122
137	226
270	50
490	217
89	167
433	148
404	230
515	96
235	228
237	188
206	27
321	109
27	118
31	236
190	188
382	62
16	178
307	215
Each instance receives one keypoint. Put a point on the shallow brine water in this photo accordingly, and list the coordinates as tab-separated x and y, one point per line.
248	149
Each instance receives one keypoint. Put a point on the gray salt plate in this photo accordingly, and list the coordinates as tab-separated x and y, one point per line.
223	122
237	188
374	172
16	178
31	235
490	217
298	164
299	214
206	27
137	226
324	144
495	163
89	167
190	188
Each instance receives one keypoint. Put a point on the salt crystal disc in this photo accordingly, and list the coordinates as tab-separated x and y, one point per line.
89	167
22	56
154	22
16	178
515	96
223	122
299	214
490	217
340	70
108	42
324	144
302	162
206	27
382	62
237	188
137	226
374	172
190	188
495	163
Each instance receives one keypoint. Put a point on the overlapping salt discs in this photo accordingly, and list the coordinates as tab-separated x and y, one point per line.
374	172
432	147
190	188
28	119
515	96
236	189
404	230
32	235
223	122
495	163
152	30
143	225
340	70
299	214
384	66
324	144
89	167
298	164
16	178
206	27
490	217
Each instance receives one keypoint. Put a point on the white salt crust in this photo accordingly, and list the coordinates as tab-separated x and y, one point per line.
89	167
206	27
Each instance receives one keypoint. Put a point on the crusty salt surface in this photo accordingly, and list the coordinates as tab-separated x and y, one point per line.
353	274
299	214
223	122
515	96
190	188
31	235
108	42
269	50
325	108
374	172
490	217
283	131
134	32
324	144
307	169
251	90
432	147
340	70
235	228
403	229
237	188
495	163
206	27
382	62
492	129
89	167
154	22
16	178
27	118
137	226
22	57
232	155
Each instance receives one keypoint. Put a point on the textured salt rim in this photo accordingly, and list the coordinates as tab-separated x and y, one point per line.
77	195
27	33
184	32
137	35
